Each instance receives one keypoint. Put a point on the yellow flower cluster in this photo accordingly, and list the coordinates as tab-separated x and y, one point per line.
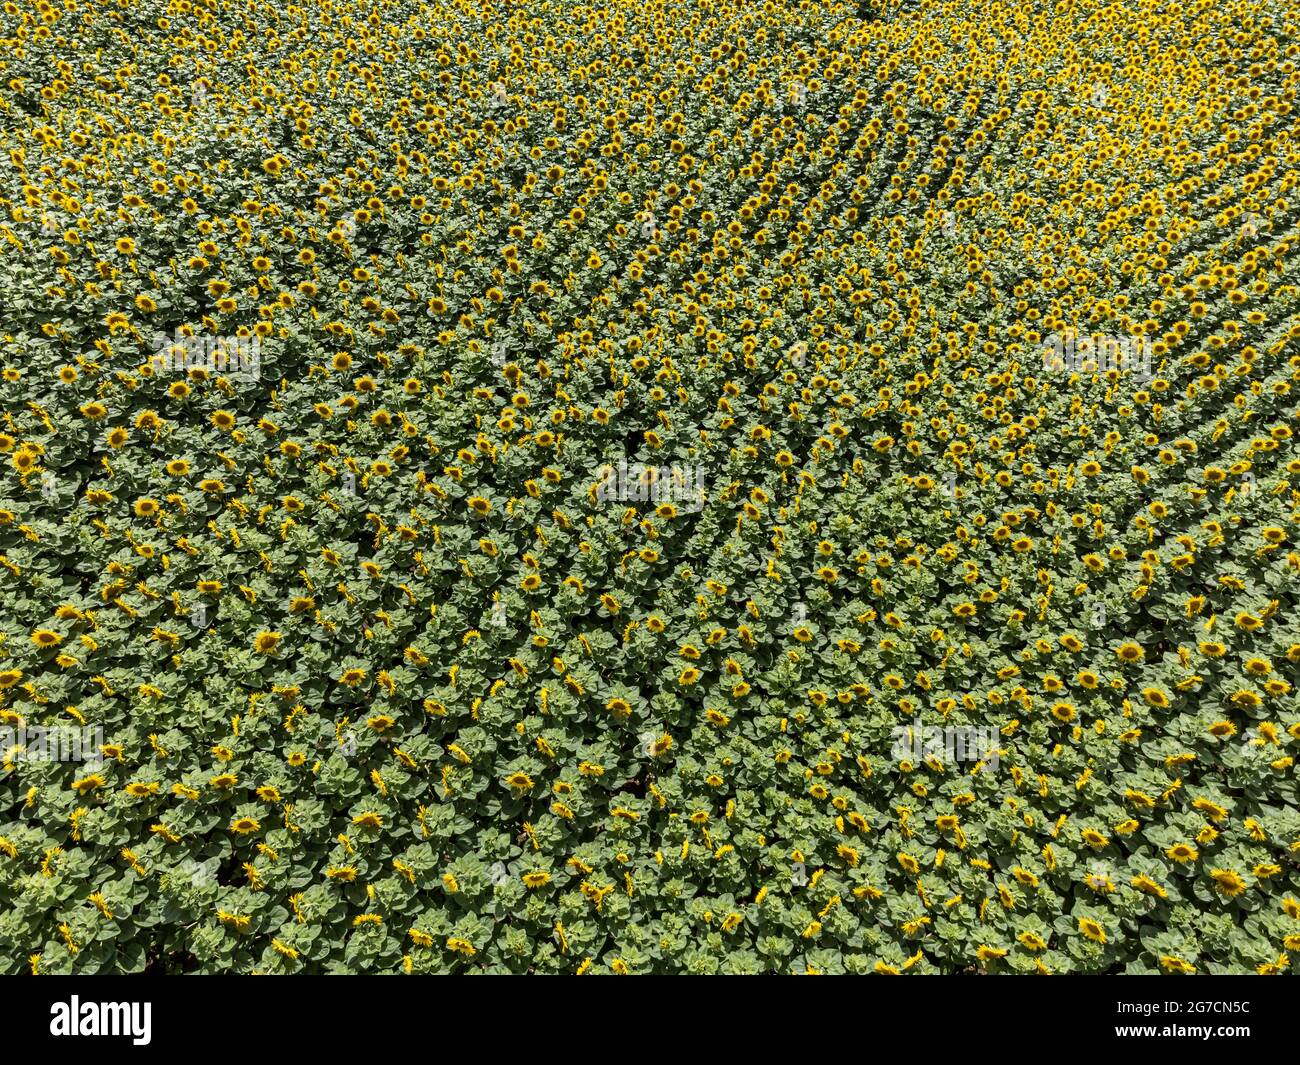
513	485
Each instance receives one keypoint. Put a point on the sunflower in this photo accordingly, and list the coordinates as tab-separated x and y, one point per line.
1092	930
520	782
1227	882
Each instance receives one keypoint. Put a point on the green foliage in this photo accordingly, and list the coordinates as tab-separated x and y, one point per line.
389	665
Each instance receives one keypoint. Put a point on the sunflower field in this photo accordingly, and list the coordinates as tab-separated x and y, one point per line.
673	486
